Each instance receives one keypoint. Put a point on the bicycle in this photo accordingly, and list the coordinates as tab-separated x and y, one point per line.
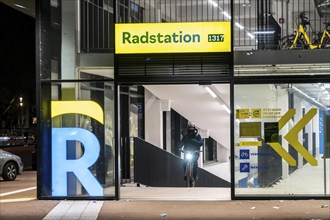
301	40
323	38
189	176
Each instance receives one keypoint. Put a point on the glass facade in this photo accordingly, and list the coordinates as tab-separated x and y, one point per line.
79	165
280	117
279	139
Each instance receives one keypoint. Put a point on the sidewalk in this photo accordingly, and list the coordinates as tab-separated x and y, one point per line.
18	201
144	209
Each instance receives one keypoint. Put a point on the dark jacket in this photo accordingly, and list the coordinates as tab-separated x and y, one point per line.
191	141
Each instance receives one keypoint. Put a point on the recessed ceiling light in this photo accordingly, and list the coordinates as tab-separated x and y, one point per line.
20	6
210	91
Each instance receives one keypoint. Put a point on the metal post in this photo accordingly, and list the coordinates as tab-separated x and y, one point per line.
21	115
325	171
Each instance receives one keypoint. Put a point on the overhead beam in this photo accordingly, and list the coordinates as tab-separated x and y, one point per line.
278	57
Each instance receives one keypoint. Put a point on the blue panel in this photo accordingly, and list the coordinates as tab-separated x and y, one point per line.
244	167
244	154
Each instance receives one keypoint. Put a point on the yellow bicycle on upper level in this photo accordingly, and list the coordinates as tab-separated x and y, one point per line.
301	40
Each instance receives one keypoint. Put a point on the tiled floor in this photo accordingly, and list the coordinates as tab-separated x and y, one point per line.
173	193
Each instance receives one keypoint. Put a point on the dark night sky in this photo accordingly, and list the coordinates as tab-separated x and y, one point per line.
17	55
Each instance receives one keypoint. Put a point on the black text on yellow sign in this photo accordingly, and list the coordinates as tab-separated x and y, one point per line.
242	113
181	37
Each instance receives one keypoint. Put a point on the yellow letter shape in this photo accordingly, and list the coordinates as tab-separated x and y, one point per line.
89	108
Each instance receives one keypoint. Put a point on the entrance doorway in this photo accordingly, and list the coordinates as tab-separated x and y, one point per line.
158	115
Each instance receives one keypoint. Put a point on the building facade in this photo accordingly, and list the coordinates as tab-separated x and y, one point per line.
117	78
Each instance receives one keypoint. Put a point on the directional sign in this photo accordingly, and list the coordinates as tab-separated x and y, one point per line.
292	138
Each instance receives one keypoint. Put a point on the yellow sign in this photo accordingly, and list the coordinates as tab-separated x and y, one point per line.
250	143
242	113
183	37
256	113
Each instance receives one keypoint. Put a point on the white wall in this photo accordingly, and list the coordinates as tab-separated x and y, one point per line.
222	153
68	40
153	120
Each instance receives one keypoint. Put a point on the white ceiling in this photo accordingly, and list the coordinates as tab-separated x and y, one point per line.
197	105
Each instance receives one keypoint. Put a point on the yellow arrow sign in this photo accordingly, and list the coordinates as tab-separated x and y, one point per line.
286	117
276	146
283	153
292	137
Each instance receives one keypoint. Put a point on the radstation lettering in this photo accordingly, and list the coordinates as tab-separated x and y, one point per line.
146	38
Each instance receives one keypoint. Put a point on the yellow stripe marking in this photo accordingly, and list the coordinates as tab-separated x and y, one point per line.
18	191
17	200
276	146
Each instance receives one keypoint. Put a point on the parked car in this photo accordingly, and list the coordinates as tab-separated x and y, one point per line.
10	165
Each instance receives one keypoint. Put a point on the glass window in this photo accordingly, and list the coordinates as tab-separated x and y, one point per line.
79	158
264	25
280	139
173	11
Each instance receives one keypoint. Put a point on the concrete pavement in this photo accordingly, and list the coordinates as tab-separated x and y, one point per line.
140	209
17	201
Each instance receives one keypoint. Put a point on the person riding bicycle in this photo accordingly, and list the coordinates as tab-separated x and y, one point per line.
191	141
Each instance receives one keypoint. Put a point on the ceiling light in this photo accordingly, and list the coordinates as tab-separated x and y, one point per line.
213	3
264	32
250	35
226	15
20	6
210	91
215	94
226	108
239	25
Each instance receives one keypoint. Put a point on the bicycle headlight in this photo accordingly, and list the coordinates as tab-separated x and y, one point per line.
189	156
